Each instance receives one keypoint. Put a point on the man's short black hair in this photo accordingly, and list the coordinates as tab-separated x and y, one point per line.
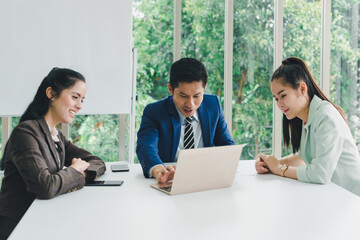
187	70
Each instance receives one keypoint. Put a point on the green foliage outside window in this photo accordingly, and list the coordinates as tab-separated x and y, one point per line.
302	33
98	134
253	65
15	121
202	38
345	62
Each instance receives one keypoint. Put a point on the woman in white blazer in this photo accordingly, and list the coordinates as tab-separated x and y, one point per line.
323	148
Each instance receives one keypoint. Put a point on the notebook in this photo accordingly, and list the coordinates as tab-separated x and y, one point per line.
203	169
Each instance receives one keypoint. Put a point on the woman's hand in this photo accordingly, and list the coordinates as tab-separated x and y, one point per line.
272	163
80	165
261	166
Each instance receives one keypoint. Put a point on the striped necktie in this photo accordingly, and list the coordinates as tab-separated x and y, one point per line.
189	134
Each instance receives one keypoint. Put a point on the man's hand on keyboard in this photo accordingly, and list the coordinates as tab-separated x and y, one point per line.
163	174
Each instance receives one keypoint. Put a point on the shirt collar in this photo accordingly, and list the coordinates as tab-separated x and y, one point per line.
314	105
54	133
182	118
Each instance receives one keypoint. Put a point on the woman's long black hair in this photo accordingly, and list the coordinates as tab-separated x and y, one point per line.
291	73
58	79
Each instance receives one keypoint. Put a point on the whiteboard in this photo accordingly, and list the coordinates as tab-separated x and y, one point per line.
92	37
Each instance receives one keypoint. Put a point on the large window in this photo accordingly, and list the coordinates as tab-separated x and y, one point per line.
99	134
252	69
344	85
302	32
202	28
302	37
153	37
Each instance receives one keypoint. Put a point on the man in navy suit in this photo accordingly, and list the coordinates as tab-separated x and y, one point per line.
163	129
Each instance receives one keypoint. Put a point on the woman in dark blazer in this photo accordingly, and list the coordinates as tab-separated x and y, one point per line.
39	162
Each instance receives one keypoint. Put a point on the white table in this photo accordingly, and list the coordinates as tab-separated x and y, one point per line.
255	207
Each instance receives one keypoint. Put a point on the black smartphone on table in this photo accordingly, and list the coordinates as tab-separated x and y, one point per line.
105	183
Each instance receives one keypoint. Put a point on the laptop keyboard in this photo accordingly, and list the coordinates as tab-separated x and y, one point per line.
167	189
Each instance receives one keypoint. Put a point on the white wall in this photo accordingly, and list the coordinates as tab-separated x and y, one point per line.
89	36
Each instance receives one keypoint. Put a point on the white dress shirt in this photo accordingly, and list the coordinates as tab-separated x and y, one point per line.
54	135
199	143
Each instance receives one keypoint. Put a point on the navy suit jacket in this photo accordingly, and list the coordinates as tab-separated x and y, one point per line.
159	134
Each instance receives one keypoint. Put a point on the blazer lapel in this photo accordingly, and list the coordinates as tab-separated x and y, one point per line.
175	120
205	124
62	154
45	128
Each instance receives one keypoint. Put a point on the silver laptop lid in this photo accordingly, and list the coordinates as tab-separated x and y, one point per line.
206	168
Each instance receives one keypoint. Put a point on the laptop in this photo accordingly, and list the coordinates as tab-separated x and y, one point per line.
203	169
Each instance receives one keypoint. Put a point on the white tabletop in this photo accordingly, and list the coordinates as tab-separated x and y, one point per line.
255	207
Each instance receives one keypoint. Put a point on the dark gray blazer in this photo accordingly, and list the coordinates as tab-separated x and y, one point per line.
32	169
